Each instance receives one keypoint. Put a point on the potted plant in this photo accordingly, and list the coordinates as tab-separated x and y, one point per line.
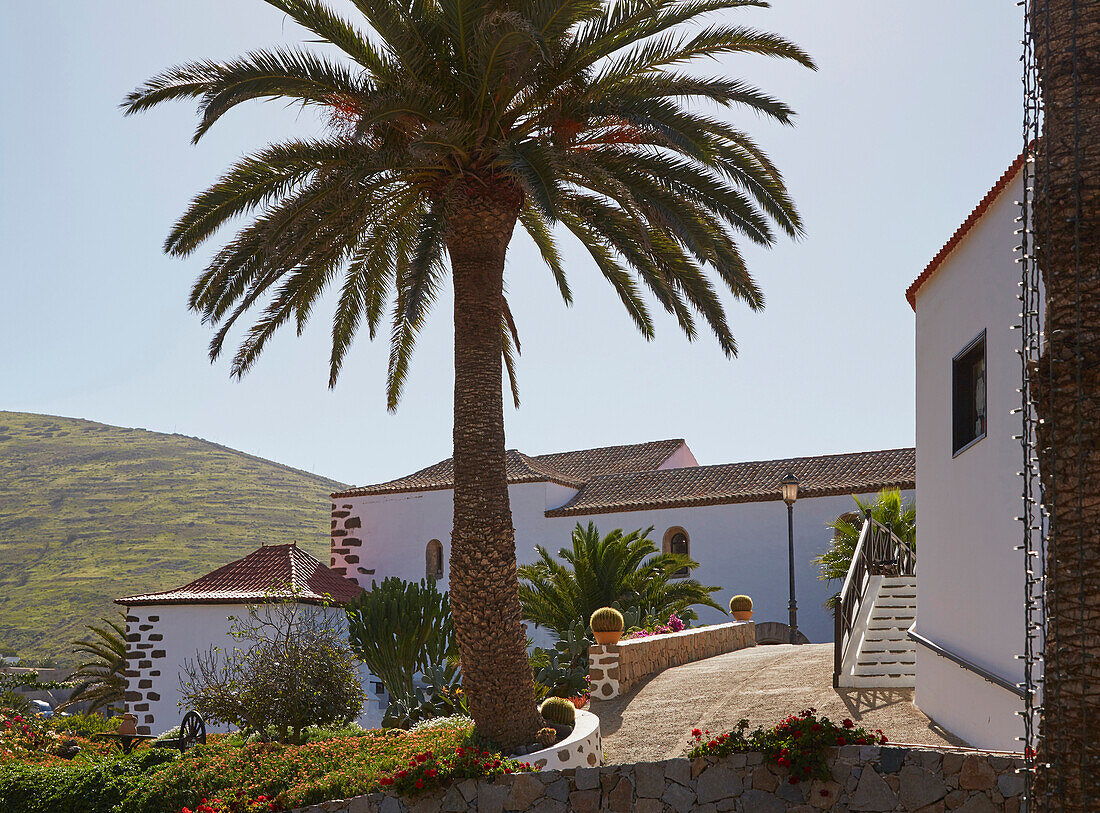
607	625
741	607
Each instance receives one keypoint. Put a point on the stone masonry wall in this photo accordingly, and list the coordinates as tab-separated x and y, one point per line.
346	545
145	654
864	778
614	668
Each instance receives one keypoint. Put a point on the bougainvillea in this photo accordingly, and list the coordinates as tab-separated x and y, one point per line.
675	624
799	743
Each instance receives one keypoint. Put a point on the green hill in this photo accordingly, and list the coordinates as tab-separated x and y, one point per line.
90	512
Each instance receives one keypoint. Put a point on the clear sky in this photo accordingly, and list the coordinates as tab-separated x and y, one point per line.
911	117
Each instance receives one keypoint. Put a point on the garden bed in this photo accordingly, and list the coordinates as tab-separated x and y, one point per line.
337	765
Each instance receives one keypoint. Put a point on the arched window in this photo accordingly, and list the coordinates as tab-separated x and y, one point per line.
676	541
433	556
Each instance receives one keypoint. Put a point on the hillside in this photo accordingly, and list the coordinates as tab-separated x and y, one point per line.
90	512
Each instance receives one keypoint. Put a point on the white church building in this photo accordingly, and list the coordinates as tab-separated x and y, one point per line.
729	518
970	576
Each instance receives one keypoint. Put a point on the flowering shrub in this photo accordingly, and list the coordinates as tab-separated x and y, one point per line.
798	743
429	770
238	803
675	624
21	735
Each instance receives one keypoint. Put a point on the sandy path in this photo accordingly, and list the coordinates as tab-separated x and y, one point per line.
762	684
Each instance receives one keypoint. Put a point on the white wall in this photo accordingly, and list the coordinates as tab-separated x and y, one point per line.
741	547
970	578
173	634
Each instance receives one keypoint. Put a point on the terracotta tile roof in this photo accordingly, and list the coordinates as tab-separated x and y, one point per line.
567	468
960	233
859	472
272	572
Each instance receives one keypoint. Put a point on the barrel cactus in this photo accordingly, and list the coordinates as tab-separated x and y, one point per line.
606	619
558	710
740	604
546	737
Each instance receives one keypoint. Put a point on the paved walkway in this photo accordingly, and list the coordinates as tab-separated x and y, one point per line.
762	684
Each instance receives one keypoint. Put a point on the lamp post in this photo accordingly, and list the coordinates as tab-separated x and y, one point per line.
789	488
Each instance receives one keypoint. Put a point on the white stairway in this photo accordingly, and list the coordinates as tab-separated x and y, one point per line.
881	655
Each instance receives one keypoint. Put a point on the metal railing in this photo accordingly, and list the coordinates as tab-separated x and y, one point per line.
878	552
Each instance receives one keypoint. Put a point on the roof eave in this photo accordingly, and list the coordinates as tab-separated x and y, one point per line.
960	233
689	502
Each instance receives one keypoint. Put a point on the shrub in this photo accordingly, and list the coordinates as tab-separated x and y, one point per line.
298	672
83	725
799	743
558	710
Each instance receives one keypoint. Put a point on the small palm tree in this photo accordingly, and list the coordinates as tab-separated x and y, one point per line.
103	678
623	569
889	509
449	122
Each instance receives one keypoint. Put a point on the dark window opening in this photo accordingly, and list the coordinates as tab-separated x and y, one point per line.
679	545
433	565
968	386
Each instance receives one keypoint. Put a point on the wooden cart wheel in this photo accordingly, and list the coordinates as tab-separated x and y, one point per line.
192	731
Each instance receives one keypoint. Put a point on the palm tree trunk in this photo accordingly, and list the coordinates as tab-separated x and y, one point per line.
1067	218
484	587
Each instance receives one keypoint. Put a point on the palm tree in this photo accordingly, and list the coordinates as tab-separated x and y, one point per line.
103	678
446	123
1066	37
621	569
889	509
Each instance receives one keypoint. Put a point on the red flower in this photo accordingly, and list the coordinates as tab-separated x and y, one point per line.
848	723
841	741
883	740
386	780
796	734
697	733
430	773
815	727
783	761
459	752
402	774
420	783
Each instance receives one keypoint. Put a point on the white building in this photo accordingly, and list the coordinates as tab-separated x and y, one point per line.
728	517
165	630
970	577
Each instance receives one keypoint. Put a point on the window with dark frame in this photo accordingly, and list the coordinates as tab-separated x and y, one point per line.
679	544
434	560
968	386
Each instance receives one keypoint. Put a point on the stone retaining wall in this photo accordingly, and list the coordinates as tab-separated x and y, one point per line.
614	668
864	778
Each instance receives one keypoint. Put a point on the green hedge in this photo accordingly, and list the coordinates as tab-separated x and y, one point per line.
81	788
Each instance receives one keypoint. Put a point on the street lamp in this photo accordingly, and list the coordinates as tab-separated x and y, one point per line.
789	488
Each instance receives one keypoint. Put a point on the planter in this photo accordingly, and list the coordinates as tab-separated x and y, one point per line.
606	637
742	615
582	748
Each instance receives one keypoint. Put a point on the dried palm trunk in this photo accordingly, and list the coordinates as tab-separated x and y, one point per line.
1067	219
